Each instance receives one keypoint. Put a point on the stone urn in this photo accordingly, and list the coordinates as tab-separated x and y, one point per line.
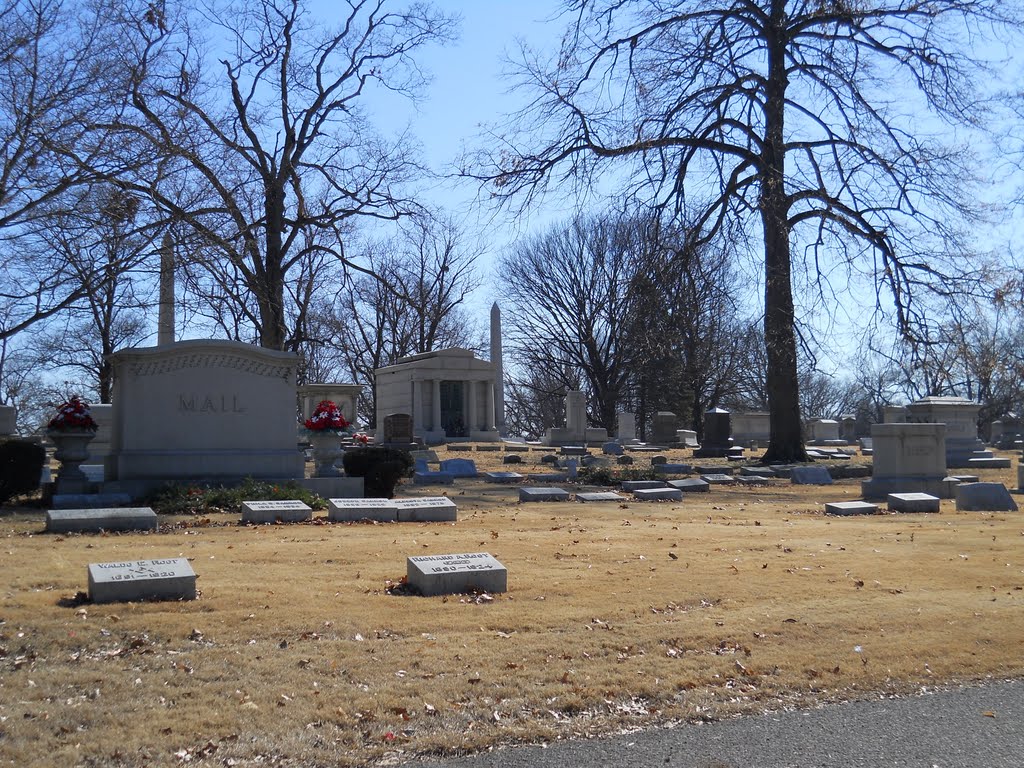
72	451
327	451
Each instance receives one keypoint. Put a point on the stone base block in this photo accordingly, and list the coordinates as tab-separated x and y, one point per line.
543	494
631	486
350	510
658	494
995	462
171	579
96	520
691	485
433	478
600	496
912	502
503	477
290	511
452	574
810	476
432	509
718	479
846	508
878	488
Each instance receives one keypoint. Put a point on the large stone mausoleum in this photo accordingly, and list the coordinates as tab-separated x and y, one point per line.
449	393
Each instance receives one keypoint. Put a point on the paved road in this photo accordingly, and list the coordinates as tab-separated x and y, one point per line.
948	729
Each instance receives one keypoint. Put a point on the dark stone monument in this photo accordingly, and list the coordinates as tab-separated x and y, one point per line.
398	431
664	428
717	431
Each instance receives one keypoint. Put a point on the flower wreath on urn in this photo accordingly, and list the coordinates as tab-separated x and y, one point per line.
73	416
327	418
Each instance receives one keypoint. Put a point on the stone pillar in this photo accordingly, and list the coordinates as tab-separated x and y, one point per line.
471	412
416	410
436	409
8	425
498	385
165	321
490	415
626	426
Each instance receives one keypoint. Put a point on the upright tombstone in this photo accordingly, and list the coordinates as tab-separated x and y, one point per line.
848	428
961	419
717	430
451	574
751	427
894	414
663	428
626	423
202	410
576	415
397	430
907	458
824	432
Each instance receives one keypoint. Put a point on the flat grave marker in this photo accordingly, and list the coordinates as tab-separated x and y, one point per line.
528	494
451	574
170	579
810	476
429	509
658	494
429	477
287	511
503	477
599	496
718	479
96	520
912	502
846	508
350	510
691	485
631	486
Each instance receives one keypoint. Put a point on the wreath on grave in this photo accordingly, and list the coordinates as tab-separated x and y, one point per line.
73	416
327	417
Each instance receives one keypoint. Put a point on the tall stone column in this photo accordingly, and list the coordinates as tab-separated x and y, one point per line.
417	408
492	387
498	390
436	426
165	321
471	418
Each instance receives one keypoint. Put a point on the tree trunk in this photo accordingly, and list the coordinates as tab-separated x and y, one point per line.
272	319
786	437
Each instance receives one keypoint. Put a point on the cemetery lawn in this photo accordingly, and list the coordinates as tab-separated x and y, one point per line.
618	615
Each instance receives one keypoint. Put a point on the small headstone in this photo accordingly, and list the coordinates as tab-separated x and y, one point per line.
459	447
718	479
433	478
532	493
512	458
452	574
398	428
289	511
502	477
612	449
574	450
96	520
571	468
171	579
659	459
428	456
625	461
691	485
459	467
549	459
850	508
431	509
984	497
658	494
810	476
912	502
599	496
349	510
596	461
631	486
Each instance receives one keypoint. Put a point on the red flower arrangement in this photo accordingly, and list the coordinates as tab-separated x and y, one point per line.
362	438
326	416
74	414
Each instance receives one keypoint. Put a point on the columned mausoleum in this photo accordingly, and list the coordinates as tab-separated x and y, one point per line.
449	394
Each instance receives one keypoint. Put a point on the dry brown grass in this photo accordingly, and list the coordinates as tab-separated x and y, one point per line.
295	655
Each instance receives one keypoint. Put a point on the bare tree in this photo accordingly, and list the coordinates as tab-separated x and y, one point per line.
267	154
779	114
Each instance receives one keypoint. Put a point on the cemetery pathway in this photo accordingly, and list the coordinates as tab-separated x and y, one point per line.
966	727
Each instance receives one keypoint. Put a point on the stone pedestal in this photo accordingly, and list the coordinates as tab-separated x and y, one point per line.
908	458
72	451
961	419
717	430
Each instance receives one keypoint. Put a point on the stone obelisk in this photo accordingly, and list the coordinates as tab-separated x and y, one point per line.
499	374
165	321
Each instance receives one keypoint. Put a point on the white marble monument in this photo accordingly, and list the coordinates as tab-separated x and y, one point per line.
907	458
961	419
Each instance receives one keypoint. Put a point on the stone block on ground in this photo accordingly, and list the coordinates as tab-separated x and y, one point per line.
637	485
453	574
718	479
659	459
459	467
285	511
548	477
994	462
658	494
89	500
428	456
984	497
170	579
350	510
810	476
96	520
754	480
625	461
691	485
503	477
459	448
429	509
757	471
846	508
549	459
534	493
912	502
714	469
673	469
433	478
599	496
512	458
574	450
612	449
487	448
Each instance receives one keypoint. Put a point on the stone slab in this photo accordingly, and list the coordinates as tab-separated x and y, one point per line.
170	579
658	494
533	493
574	450
631	486
548	477
810	476
713	469
846	508
452	574
285	511
96	520
599	496
691	485
882	487
757	472
487	448
984	497
503	477
429	456
350	510
994	462
512	458
433	478
718	479
429	509
457	447
612	449
459	467
754	480
912	502
673	469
